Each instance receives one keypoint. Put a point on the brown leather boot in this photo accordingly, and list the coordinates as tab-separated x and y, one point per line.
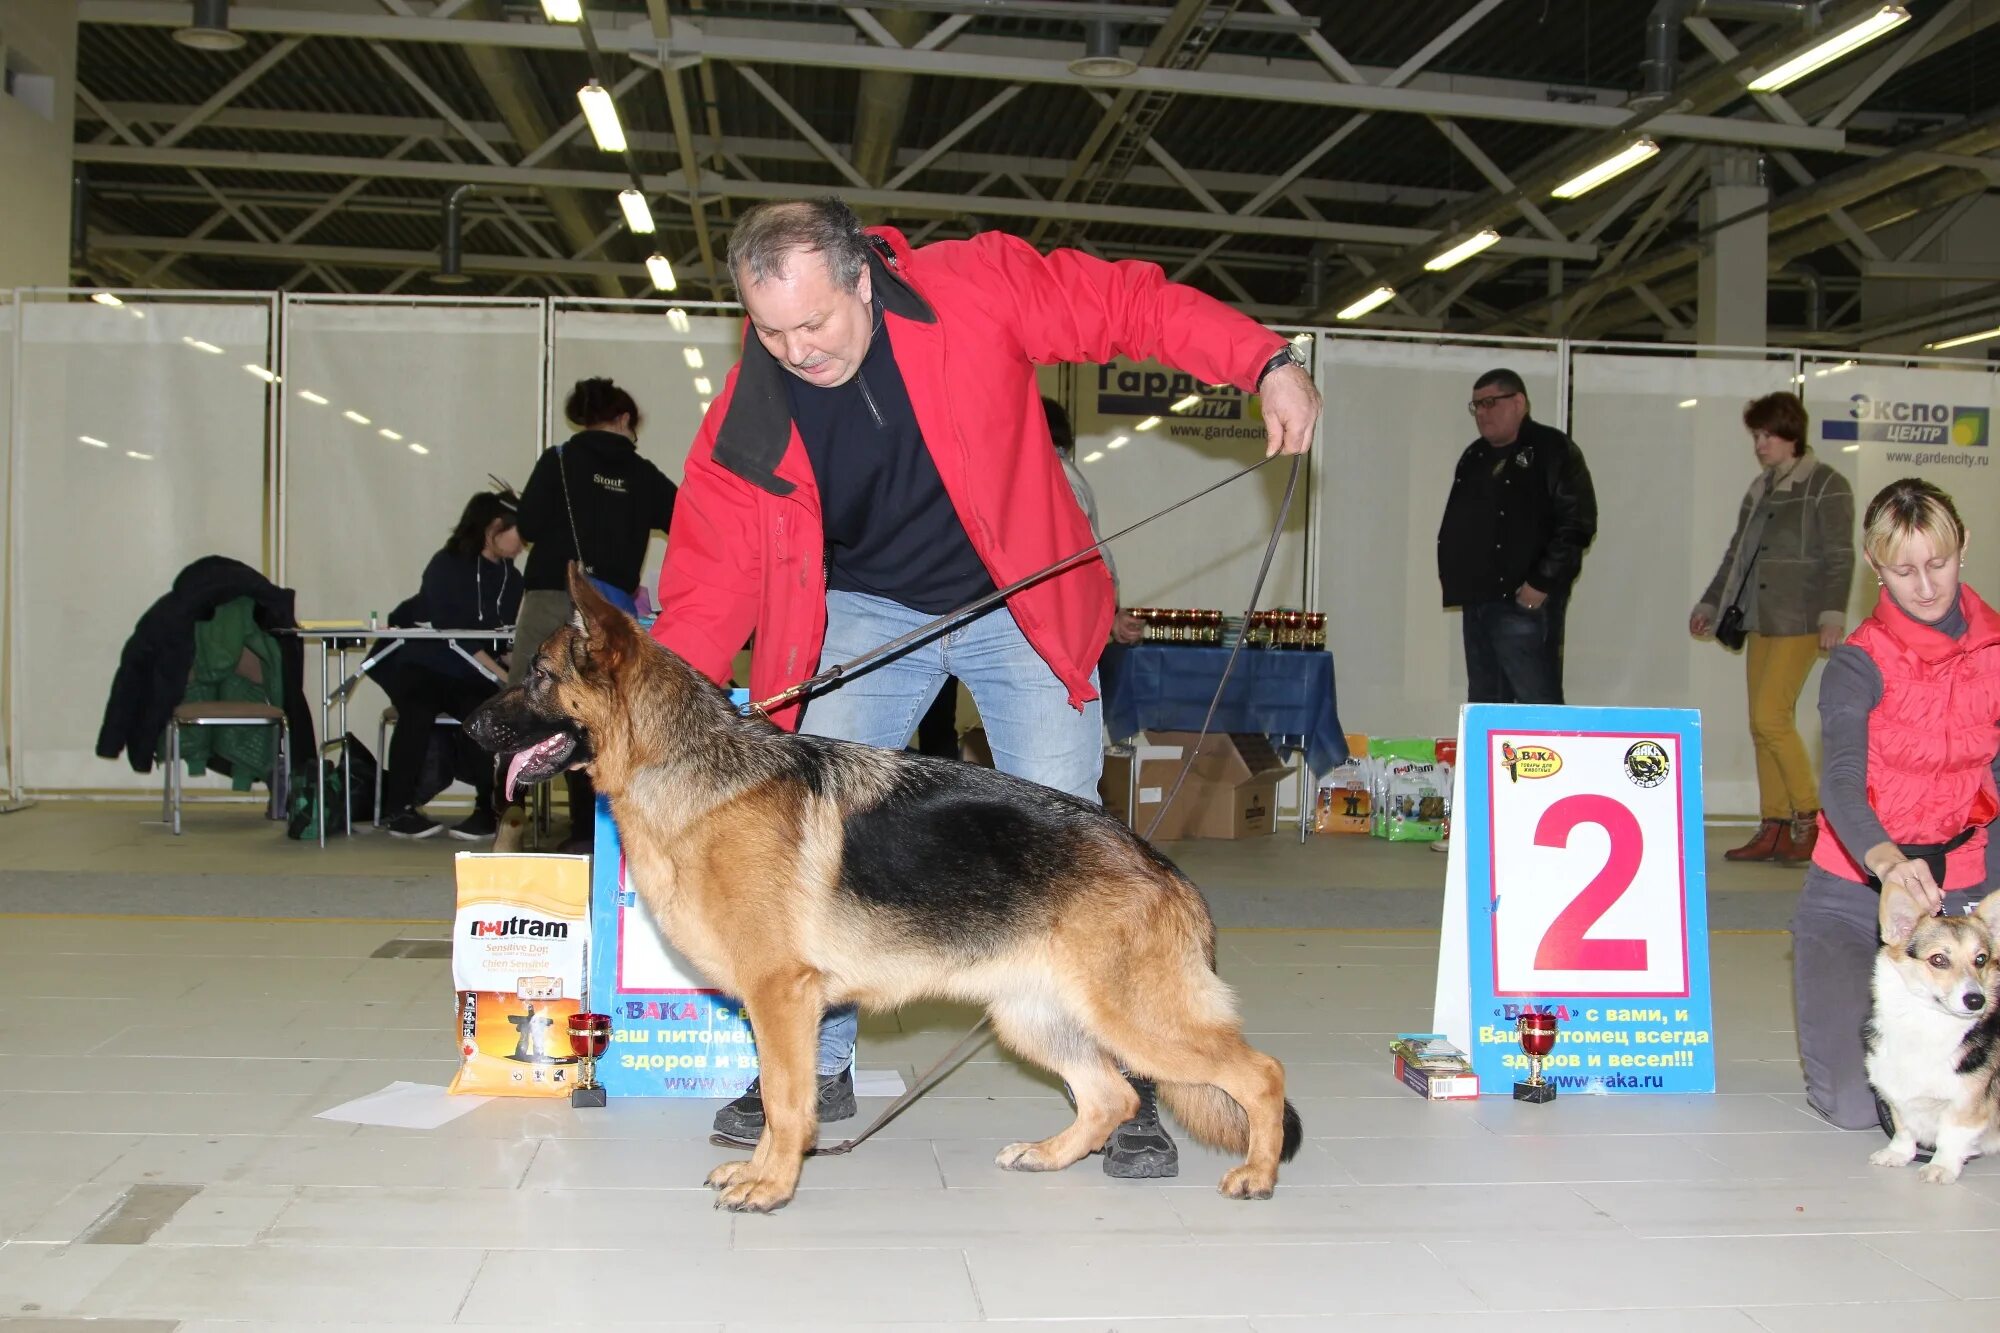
1803	833
1763	844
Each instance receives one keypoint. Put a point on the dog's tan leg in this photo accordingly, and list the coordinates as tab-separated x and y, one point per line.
1221	1088
785	1014
1957	1140
1104	1100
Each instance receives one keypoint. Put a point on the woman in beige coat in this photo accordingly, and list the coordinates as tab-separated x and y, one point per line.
1788	568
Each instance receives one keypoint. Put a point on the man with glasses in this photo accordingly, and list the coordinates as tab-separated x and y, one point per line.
1520	514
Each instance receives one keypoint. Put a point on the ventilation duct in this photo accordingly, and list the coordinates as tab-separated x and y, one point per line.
210	29
451	255
1101	58
1660	69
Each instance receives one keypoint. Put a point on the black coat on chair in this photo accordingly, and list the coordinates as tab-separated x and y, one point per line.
153	669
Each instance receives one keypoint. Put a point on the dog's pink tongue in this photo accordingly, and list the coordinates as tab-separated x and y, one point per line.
514	767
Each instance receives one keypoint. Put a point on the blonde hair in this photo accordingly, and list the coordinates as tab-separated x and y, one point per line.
1905	509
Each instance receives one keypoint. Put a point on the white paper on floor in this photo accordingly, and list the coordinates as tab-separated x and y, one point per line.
878	1083
405	1106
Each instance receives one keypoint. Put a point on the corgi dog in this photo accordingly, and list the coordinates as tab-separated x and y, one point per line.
1933	1038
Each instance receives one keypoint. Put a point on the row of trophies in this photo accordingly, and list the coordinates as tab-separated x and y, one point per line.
1300	630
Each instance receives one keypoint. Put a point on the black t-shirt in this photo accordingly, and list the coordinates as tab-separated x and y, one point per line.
890	528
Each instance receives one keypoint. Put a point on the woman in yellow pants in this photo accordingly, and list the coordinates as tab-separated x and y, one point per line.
1783	586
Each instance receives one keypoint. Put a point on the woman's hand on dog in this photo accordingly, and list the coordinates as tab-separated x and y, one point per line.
1914	878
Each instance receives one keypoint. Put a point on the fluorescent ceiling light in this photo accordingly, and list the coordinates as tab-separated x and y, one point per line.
1689	402
1093	456
1850	448
134	453
93	441
388	434
637	216
692	355
1620	162
201	346
1147	424
677	320
704	405
602	113
563	11
312	397
1463	251
703	387
1119	442
1381	296
261	373
1962	340
1187	404
356	417
661	271
105	298
1831	48
416	448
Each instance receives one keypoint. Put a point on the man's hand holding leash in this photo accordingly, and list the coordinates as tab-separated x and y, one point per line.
1291	410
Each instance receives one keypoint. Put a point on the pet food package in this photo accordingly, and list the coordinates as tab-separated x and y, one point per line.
1409	791
1447	760
519	954
1345	792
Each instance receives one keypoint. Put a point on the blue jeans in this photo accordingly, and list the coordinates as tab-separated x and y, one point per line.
1034	732
1514	655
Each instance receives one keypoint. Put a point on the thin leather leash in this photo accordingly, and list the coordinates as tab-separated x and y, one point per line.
978	1035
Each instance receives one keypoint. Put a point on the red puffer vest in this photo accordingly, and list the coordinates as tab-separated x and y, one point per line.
1931	739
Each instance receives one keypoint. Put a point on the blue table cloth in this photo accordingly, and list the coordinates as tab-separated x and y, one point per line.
1278	692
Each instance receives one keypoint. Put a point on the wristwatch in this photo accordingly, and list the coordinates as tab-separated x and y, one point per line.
1292	355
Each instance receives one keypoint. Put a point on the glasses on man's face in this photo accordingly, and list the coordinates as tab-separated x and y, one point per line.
1478	405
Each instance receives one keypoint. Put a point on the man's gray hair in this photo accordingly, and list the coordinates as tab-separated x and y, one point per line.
768	235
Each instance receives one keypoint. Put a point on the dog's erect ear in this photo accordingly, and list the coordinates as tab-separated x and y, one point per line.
1988	911
1899	914
607	631
585	597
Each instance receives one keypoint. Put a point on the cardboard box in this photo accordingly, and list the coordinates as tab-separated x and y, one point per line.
1437	1085
1230	792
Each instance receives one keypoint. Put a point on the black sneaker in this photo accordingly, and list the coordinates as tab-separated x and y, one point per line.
744	1117
410	824
476	827
1141	1148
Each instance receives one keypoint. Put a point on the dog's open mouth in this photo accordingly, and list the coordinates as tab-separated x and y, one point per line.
539	762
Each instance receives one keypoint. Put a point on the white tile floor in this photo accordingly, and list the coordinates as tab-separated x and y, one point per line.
139	1052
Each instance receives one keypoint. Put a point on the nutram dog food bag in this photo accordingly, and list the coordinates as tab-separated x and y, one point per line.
519	955
1410	790
1345	795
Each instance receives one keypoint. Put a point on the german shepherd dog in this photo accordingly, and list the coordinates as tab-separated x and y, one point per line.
797	872
1933	1038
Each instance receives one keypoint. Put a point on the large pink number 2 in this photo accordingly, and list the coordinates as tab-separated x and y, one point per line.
1564	947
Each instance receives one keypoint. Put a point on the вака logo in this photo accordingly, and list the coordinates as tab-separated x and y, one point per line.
1894	421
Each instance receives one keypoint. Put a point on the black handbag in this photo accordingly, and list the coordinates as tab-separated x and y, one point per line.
1729	631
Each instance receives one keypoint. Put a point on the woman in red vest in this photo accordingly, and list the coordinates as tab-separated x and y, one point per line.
1910	724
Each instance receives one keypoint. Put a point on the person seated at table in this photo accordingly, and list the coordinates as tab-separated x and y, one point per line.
470	584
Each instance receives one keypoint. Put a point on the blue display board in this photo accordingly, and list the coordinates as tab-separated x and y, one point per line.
1577	887
671	1035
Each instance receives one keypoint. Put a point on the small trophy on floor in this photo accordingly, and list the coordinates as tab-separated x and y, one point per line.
1537	1034
589	1036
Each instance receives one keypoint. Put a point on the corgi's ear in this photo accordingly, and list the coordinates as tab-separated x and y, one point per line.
1899	914
1989	912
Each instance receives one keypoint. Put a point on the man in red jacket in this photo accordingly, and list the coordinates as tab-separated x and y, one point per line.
879	457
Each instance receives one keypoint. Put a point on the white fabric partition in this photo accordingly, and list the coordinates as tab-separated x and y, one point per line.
648	350
461	384
8	769
1207	554
1670	459
1395	423
139	447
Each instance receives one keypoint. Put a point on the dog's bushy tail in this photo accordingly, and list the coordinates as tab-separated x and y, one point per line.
1212	1117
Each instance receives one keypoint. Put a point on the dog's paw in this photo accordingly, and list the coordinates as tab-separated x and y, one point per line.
1248	1182
728	1173
1892	1156
746	1193
1025	1157
1938	1173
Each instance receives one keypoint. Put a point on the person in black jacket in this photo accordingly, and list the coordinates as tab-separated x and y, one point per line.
1520	515
470	584
596	500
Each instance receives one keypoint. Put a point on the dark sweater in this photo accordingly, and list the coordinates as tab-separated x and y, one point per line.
1849	689
463	592
1519	513
619	499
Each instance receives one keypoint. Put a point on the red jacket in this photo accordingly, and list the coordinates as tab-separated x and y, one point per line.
1931	739
969	321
